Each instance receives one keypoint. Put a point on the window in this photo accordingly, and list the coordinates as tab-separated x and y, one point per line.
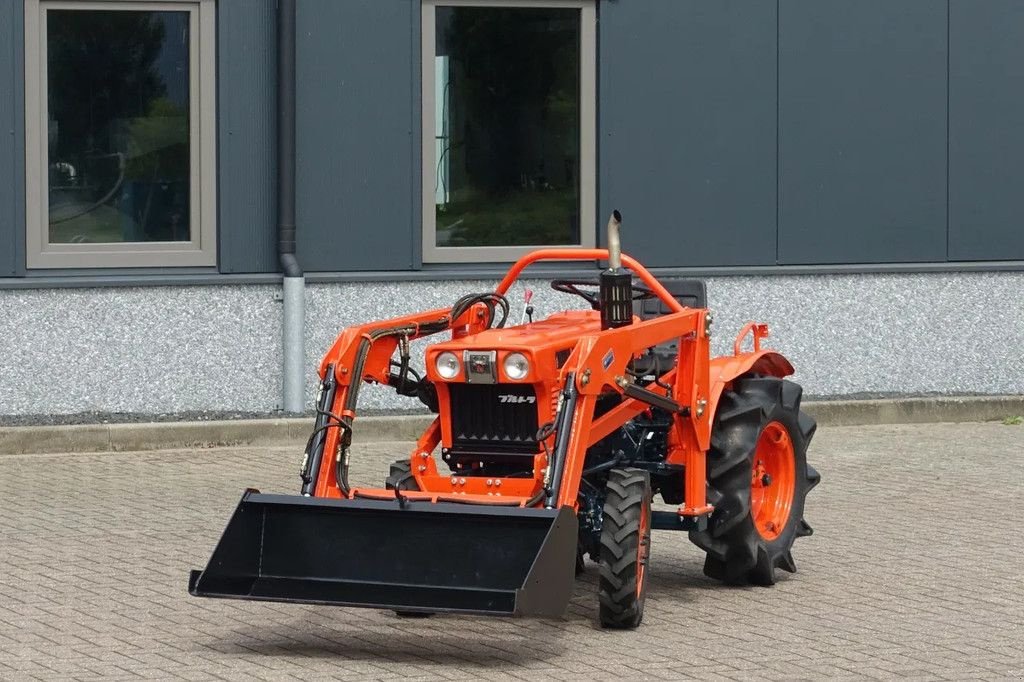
508	127
119	123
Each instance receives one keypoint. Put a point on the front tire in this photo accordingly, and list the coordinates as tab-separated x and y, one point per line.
625	547
400	476
758	477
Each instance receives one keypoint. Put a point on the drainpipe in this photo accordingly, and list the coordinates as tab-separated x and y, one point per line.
294	293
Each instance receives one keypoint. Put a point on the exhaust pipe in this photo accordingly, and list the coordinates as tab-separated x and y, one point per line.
616	293
614	245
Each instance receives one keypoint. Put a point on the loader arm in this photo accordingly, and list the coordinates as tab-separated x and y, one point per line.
363	353
344	350
599	364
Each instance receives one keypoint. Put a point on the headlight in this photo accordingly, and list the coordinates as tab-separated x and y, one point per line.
447	365
516	366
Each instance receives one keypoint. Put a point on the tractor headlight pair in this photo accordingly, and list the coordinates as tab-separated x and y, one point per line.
516	366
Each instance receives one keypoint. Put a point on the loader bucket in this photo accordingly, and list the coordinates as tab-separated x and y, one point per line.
427	557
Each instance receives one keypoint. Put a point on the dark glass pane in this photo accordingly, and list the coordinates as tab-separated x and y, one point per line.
118	99
507	115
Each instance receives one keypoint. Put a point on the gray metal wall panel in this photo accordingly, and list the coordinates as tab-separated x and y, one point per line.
12	140
687	126
357	173
862	131
986	135
246	91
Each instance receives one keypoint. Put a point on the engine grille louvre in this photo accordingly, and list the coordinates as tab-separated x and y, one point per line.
494	418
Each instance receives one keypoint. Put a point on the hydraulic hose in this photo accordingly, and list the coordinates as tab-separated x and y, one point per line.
341	461
493	301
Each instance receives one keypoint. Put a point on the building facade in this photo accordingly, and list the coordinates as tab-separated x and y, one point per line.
849	171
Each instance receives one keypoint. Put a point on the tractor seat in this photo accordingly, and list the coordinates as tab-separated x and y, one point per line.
689	292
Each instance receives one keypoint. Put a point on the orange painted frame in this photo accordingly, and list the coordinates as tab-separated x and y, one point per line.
598	362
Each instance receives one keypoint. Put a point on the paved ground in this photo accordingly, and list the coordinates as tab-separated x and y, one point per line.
915	571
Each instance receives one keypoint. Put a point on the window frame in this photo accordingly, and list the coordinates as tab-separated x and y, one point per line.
431	252
201	249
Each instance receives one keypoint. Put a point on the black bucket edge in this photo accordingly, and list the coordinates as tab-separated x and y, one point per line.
545	592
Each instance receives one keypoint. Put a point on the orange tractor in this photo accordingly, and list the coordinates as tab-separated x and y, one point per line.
554	436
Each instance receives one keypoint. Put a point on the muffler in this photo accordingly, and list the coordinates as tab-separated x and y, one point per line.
420	556
616	285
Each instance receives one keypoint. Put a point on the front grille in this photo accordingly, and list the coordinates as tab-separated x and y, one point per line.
500	418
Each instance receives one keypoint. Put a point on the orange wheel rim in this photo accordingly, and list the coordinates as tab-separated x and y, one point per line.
773	481
643	549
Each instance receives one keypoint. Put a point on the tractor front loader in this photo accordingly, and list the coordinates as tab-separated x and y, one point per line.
553	436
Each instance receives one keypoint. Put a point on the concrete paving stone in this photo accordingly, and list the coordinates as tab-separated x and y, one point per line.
896	583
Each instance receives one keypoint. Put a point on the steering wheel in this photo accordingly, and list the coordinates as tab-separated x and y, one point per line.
571	286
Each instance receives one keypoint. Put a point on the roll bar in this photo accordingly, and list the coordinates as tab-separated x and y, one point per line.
589	254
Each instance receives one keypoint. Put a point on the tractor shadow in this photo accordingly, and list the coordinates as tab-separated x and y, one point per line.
380	636
384	637
670	581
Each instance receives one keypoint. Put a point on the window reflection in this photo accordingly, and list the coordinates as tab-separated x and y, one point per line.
118	126
507	126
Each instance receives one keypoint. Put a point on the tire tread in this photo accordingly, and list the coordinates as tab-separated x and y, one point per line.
628	496
735	552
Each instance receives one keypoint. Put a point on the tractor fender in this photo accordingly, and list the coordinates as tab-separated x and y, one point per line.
727	368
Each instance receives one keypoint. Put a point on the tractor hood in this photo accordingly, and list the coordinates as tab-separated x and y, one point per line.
546	345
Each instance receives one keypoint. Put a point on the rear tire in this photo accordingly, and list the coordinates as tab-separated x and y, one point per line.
400	477
625	547
758	477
